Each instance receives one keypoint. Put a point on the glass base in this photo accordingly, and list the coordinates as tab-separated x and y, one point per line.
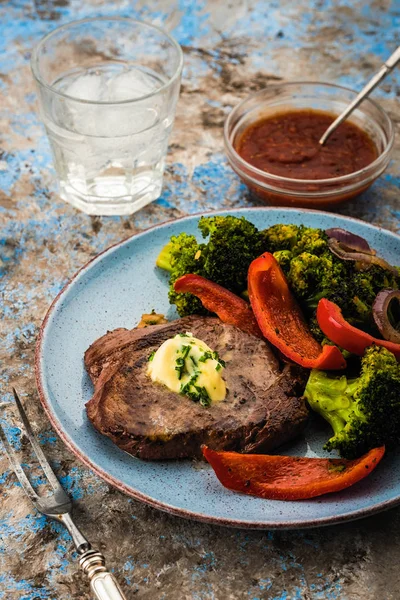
111	205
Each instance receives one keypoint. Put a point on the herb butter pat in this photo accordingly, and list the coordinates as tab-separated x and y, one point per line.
186	365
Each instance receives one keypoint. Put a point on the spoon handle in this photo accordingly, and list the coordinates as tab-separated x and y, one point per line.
371	85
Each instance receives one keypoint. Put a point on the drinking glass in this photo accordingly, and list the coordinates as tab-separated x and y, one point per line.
107	91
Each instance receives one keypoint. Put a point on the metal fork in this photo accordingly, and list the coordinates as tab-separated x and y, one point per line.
58	506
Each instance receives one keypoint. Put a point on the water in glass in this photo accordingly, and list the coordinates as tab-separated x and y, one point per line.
109	149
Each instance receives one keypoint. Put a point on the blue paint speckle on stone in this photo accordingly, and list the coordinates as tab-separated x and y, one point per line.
129	568
31	523
72	483
13	434
194	22
47	437
26	589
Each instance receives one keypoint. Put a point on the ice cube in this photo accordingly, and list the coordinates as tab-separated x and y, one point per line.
130	85
124	120
79	116
90	87
110	120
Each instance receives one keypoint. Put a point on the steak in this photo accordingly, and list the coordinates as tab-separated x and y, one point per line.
263	407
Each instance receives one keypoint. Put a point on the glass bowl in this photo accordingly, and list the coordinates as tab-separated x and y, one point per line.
317	193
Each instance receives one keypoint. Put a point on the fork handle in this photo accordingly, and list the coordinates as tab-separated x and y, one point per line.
102	582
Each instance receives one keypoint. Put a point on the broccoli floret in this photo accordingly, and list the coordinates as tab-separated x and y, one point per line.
313	277
164	259
280	237
364	412
225	258
233	244
312	270
182	254
296	238
284	258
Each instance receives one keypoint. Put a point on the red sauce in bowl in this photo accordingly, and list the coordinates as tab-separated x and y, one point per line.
286	144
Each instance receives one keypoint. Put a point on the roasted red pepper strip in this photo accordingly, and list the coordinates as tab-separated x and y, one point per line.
280	318
337	329
230	308
289	477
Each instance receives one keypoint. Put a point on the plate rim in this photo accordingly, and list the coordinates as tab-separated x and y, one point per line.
131	492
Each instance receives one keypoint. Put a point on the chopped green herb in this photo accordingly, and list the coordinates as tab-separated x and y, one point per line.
206	402
185	387
196	393
203	396
218	367
151	356
218	359
194	361
180	366
206	356
185	351
212	355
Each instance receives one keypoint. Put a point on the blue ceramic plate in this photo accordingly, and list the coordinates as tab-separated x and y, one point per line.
113	290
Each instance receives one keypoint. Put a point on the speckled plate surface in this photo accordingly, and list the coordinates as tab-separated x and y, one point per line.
113	290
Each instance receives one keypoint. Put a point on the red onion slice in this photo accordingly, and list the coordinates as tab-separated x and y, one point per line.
381	311
363	259
350	240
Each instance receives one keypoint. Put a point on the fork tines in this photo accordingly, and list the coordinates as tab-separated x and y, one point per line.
51	478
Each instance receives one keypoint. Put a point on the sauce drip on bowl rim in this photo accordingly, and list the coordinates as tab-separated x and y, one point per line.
287	144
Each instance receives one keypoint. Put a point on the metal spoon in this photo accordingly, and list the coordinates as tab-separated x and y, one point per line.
371	85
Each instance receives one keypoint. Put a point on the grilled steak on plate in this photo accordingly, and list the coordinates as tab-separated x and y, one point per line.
262	408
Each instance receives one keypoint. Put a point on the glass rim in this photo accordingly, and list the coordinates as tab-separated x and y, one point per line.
289	180
35	60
